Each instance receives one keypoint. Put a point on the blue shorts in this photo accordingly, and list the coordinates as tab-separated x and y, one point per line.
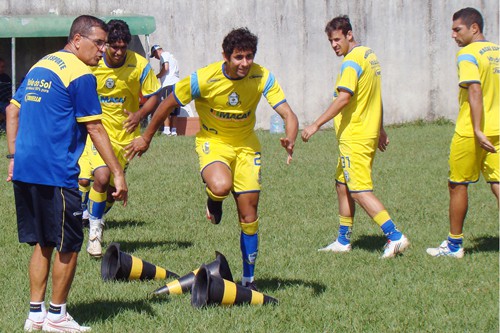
164	92
48	215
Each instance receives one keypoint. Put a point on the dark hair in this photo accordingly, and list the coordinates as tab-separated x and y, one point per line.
339	23
118	30
470	16
239	39
83	24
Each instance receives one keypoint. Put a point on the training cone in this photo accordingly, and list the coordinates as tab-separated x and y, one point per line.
118	265
219	267
208	289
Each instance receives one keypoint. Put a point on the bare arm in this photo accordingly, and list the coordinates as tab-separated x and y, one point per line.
163	70
141	144
291	128
383	139
134	118
101	141
475	97
334	109
12	122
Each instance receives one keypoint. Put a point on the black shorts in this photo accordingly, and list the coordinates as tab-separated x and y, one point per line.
164	92
48	215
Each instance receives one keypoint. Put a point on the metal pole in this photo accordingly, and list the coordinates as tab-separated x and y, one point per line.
13	64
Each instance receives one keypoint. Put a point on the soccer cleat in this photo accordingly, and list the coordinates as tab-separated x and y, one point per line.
214	211
444	251
32	326
94	247
251	286
393	248
336	247
66	324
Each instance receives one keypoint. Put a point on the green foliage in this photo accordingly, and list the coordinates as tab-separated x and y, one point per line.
164	224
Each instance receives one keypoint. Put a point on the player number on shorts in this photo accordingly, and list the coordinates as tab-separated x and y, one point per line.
345	160
256	160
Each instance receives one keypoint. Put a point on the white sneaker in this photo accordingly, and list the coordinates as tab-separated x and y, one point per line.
392	248
32	326
167	133
336	247
173	133
66	324
94	247
444	251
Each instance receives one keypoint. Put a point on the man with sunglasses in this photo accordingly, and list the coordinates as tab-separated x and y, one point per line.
122	75
47	123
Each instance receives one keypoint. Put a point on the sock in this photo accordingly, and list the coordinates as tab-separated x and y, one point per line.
84	193
56	311
249	245
37	311
455	242
345	230
97	204
388	227
166	129
174	130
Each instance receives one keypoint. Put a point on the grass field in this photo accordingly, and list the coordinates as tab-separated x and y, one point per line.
318	292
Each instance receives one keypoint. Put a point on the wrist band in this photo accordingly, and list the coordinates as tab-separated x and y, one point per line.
10	156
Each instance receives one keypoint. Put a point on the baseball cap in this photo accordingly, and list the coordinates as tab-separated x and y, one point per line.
153	49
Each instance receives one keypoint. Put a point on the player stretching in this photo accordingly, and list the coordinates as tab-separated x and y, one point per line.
475	144
121	76
226	95
357	109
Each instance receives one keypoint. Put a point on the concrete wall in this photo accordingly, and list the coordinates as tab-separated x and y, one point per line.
412	39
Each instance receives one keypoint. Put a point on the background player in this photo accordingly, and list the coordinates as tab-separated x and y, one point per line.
121	76
226	95
475	144
357	112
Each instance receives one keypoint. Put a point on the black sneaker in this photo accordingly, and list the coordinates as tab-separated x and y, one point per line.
251	286
214	211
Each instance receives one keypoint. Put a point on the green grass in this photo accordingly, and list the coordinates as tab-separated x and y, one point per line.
318	292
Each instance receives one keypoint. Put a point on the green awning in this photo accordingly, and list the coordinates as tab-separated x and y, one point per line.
59	25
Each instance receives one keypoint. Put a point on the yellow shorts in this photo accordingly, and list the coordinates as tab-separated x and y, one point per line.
242	157
91	160
467	160
354	167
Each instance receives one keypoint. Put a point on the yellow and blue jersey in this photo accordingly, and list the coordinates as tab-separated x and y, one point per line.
56	98
478	62
119	89
360	76
227	106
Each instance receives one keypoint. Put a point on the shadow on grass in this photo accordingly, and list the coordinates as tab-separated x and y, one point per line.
132	246
274	284
101	310
484	244
370	243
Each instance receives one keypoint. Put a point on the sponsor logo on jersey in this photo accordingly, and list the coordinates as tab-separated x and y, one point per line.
110	83
32	97
112	99
234	99
230	115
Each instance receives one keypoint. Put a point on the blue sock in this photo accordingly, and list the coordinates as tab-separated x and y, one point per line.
390	231
249	245
454	244
344	236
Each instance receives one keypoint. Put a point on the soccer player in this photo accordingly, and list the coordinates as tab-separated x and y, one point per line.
47	123
226	95
121	76
357	112
475	144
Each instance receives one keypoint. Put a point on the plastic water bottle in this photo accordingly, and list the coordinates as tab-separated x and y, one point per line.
277	125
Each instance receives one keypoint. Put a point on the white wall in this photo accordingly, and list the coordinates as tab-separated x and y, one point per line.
412	39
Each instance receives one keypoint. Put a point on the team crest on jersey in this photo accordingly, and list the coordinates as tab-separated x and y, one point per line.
206	147
110	83
234	99
346	176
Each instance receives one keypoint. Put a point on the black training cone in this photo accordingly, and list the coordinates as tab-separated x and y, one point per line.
117	265
208	289
219	267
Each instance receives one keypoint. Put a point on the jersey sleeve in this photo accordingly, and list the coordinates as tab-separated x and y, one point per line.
83	94
468	70
19	95
187	89
273	92
349	76
149	82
